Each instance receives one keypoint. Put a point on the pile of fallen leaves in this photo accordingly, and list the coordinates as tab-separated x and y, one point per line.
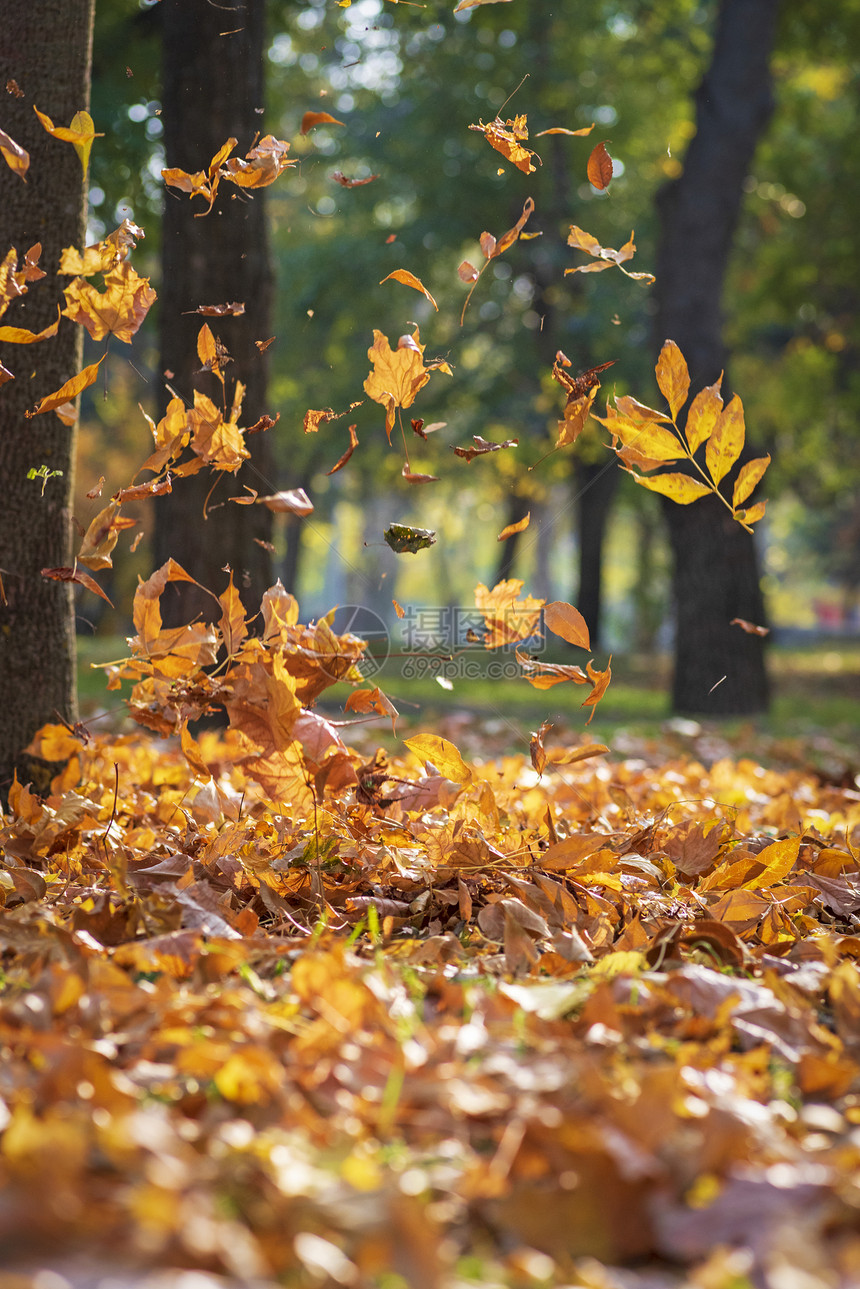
278	1011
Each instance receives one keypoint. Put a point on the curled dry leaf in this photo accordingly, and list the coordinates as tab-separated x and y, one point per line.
482	447
340	178
519	527
294	501
507	137
409	279
233	310
749	627
79	577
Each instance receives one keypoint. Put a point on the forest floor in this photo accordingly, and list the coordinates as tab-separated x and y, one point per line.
488	1015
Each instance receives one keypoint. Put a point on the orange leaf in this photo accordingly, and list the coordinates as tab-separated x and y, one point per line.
118	311
75	575
564	620
749	627
507	618
398	374
353	444
83	380
600	680
506	137
232	625
558	129
20	335
371	700
599	169
514	528
311	119
409	279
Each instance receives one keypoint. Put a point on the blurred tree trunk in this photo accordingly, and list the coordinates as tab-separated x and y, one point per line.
46	49
212	91
719	670
595	484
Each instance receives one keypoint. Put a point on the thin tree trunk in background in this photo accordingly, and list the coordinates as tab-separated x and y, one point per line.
716	575
46	49
213	90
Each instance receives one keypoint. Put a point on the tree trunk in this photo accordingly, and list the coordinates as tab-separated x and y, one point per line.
715	573
213	90
596	484
46	49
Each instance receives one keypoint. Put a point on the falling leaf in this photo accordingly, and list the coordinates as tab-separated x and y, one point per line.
507	137
409	279
371	700
118	311
265	423
605	256
518	527
263	345
20	336
398	374
353	444
16	157
75	575
470	4
399	609
559	129
80	133
749	627
312	119
564	620
405	540
97	490
340	178
66	392
262	164
233	310
599	167
507	619
411	477
482	447
294	501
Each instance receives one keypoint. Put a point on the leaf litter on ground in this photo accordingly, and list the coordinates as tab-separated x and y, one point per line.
288	1012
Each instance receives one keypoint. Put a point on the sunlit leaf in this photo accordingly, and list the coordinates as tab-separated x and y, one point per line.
80	133
444	755
673	376
312	119
566	621
66	392
20	336
511	529
409	279
681	488
749	476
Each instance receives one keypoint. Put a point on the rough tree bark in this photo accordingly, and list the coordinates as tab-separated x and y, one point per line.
212	91
46	49
718	669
